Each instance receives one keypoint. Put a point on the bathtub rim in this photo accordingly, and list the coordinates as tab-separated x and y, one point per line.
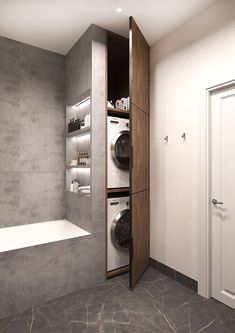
83	233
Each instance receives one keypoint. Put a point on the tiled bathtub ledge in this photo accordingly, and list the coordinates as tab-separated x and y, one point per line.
44	261
24	236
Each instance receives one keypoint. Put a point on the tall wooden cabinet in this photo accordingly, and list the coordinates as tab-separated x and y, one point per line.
140	142
104	66
128	62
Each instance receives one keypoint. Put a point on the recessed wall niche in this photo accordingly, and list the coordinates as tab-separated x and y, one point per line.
78	146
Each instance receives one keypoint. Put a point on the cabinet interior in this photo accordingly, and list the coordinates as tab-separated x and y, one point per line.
78	145
118	66
117	88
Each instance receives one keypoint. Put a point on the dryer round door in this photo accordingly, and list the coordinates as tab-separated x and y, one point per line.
120	149
120	230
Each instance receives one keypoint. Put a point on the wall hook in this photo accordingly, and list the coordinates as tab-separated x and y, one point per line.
183	136
166	138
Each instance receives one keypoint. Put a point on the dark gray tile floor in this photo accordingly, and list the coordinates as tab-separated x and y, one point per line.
158	304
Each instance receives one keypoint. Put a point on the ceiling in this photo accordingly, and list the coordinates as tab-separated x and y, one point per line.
56	25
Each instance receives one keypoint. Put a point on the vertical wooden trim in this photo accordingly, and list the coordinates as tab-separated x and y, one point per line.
131	147
106	159
139	173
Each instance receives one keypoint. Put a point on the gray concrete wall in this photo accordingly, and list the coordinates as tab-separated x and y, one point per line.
78	210
78	83
98	135
32	125
78	68
87	63
32	168
85	72
98	144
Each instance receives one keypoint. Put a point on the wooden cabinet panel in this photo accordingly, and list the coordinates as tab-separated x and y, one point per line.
140	171
140	234
141	69
140	143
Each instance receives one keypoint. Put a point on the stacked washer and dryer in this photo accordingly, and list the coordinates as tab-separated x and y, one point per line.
118	214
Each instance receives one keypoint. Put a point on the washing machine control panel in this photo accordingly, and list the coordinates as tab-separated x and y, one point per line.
119	201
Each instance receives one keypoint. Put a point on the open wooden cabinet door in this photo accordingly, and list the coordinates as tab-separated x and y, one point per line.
140	142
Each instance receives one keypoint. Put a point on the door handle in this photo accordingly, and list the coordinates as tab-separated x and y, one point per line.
215	202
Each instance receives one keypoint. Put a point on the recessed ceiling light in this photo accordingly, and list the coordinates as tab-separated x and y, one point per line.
119	10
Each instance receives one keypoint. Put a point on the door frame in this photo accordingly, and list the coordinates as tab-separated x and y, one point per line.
204	221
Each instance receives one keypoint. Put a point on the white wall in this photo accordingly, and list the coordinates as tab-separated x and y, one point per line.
200	54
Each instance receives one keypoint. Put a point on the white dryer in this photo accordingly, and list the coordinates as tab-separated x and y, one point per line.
118	233
118	152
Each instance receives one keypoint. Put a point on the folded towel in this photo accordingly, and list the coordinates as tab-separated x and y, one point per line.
123	103
84	189
118	104
85	192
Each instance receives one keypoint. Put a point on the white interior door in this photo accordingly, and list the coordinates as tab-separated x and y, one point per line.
223	196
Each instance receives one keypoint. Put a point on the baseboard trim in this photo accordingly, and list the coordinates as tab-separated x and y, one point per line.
185	280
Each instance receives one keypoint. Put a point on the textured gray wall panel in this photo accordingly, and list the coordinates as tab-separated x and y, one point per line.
98	146
37	274
32	168
78	210
78	68
32	126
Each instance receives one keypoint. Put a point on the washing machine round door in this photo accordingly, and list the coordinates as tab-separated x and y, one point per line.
120	149
120	230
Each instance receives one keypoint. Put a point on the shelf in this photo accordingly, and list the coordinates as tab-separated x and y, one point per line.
118	112
79	167
80	132
118	190
78	194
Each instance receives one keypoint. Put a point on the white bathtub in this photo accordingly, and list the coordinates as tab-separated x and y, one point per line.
19	237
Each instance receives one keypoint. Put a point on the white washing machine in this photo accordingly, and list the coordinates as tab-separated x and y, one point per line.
118	233
118	151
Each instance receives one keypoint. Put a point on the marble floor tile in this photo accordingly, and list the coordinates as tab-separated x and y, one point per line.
157	304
